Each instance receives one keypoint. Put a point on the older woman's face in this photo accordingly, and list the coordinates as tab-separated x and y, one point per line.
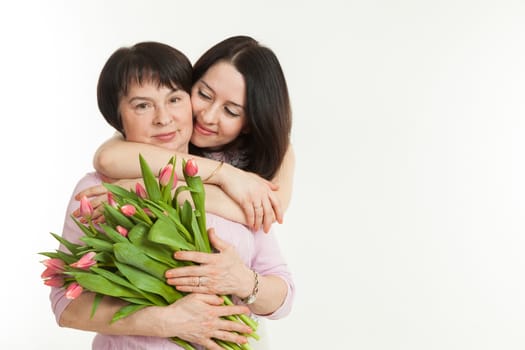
156	115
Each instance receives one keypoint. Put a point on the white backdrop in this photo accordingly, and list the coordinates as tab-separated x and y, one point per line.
406	225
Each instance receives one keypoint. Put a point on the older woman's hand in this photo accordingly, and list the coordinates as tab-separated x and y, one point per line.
222	273
197	318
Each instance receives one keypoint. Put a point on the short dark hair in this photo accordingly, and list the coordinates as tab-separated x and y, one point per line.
267	104
145	61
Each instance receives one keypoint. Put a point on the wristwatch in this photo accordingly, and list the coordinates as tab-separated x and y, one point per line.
250	299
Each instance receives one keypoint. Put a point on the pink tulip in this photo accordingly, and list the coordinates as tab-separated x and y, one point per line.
128	210
111	200
165	175
85	262
73	291
49	272
86	209
122	230
140	191
54	281
55	264
148	212
191	168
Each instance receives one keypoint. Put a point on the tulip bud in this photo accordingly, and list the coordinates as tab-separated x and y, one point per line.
165	175
73	291
85	262
128	210
55	264
111	200
149	212
191	168
54	281
140	191
86	209
122	230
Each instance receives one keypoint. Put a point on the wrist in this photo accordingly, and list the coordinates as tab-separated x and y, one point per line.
253	289
214	176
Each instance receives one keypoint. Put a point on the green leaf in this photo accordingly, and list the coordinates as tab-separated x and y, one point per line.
88	230
159	252
127	253
113	234
67	258
72	247
147	282
126	311
202	244
113	277
99	284
120	193
173	215
165	232
98	244
117	217
96	302
150	181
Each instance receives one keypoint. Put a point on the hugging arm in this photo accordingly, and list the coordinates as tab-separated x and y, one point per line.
117	158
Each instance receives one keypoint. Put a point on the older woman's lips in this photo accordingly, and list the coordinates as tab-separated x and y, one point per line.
165	137
202	130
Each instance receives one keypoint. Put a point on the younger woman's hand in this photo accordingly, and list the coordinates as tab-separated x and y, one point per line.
255	195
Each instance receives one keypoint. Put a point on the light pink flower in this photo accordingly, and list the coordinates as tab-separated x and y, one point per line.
148	212
128	210
165	175
54	281
191	168
55	264
85	262
122	230
140	191
73	291
86	209
49	272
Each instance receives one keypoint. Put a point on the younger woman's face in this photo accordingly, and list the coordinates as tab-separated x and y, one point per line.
218	101
157	115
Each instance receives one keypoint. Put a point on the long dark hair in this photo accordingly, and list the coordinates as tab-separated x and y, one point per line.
268	110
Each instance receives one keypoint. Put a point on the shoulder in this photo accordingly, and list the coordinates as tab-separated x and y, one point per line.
88	180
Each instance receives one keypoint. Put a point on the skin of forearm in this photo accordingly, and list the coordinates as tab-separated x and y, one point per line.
219	203
284	178
77	315
271	295
118	159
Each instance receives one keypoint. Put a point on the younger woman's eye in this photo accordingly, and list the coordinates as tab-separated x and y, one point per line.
231	112
204	95
174	99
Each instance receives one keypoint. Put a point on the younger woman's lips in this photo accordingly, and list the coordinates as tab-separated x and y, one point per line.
202	130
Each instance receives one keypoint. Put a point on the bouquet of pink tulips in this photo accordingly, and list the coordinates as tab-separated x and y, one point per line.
127	255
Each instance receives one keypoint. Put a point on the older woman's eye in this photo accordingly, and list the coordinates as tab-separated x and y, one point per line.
175	99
